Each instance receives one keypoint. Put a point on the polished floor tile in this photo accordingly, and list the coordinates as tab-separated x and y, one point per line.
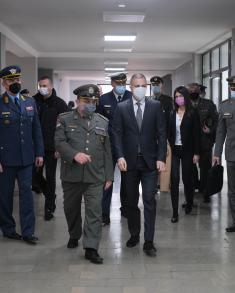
194	255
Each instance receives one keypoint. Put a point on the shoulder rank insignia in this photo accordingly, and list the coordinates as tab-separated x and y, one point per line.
106	119
22	98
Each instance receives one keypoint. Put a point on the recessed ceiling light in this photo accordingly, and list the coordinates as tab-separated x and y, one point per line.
114	16
118	50
115	62
111	38
114	69
121	5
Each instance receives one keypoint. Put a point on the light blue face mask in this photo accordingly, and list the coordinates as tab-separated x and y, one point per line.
120	89
232	94
156	89
89	109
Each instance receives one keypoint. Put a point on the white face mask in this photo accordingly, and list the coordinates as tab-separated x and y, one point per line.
43	91
139	93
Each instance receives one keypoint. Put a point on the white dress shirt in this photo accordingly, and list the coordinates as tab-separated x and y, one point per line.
178	121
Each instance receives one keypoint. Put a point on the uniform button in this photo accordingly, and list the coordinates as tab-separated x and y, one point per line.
21	124
22	132
86	149
88	134
87	141
22	140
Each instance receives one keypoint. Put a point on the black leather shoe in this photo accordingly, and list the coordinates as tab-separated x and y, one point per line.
230	229
206	199
105	220
93	256
174	219
149	249
14	236
133	241
188	209
184	205
73	243
36	189
32	240
48	215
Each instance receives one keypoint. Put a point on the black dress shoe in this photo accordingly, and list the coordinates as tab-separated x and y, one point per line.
188	209
14	236
230	229
93	256
174	219
149	249
105	220
73	243
133	241
184	205
36	189
32	240
206	199
48	215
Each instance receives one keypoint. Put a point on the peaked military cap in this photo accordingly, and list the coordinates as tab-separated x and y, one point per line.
118	77
231	80
202	87
10	72
89	91
156	80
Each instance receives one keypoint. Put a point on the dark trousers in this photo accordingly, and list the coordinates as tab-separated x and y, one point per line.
186	160
132	178
107	196
231	188
205	163
23	175
48	183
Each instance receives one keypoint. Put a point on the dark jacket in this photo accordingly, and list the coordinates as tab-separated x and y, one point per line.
189	129
48	110
20	132
151	138
208	115
167	106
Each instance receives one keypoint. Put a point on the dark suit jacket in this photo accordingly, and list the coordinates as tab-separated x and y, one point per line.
190	132
151	138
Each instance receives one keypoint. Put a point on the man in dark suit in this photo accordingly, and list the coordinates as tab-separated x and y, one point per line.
21	145
107	105
139	136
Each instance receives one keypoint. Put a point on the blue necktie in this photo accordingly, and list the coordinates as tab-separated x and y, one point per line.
17	102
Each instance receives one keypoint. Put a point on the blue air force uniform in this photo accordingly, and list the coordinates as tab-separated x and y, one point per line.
20	142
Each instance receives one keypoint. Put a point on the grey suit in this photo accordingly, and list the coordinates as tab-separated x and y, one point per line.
226	130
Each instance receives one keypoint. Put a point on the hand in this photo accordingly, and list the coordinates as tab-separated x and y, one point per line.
39	161
215	160
107	184
122	165
161	166
82	158
195	159
57	155
1	169
206	129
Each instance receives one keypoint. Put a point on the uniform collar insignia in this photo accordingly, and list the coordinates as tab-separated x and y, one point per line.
22	98
6	99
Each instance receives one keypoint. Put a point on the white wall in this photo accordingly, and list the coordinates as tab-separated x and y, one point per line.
183	75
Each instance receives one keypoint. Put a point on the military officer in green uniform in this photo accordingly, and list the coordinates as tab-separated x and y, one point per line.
226	129
86	167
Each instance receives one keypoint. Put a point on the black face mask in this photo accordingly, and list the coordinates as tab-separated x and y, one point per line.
194	96
15	88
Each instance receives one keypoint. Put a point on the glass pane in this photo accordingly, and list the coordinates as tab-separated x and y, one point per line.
224	55
215	90
206	82
215	59
206	63
224	85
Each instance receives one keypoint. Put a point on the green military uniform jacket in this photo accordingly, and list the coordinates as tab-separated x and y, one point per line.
76	134
226	127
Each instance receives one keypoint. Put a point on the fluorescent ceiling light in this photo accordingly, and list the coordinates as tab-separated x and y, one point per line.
115	62
114	68
111	38
121	5
123	17
118	50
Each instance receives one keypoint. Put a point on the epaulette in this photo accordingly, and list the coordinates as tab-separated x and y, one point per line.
64	113
106	119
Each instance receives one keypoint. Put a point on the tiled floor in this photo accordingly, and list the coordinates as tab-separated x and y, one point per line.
194	255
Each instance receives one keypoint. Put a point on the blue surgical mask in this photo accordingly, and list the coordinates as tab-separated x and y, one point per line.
89	109
120	89
156	89
232	94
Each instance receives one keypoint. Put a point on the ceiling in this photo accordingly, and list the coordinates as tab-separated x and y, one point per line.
69	35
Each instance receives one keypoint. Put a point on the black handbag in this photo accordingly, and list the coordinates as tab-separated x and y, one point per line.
214	180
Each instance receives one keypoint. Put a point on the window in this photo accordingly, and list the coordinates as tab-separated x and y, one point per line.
206	63
215	59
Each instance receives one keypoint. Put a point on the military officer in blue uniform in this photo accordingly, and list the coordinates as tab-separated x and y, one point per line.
107	105
21	145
